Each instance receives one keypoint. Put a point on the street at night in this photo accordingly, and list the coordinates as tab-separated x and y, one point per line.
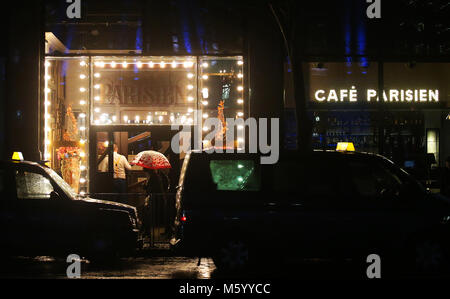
225	147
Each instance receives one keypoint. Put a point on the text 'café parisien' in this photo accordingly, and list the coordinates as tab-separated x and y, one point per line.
391	95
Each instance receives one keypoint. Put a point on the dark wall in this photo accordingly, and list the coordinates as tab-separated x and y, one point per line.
24	39
265	59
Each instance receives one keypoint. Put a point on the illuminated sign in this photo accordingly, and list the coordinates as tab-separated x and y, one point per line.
390	95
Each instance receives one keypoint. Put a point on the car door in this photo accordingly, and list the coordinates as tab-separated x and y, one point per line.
11	225
386	215
42	215
310	219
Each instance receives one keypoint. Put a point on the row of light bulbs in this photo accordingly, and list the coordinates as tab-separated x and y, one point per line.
151	64
47	128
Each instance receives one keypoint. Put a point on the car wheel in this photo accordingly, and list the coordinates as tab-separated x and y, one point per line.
430	256
232	255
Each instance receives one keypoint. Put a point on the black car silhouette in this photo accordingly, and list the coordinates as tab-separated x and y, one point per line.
41	215
322	204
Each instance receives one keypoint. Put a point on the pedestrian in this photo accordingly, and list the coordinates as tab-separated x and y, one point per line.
156	187
445	178
120	166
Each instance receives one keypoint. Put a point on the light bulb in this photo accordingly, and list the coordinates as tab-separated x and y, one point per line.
240	62
205	93
188	64
82	89
151	64
205	65
190	75
124	64
190	99
82	76
190	86
162	65
240	76
240	88
97	86
82	115
205	77
97	98
83	63
97	75
139	64
113	64
174	64
240	101
82	102
205	103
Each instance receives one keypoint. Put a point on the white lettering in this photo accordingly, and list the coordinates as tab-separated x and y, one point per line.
74	10
320	99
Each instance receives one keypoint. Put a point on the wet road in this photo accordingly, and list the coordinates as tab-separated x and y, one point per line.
128	268
172	267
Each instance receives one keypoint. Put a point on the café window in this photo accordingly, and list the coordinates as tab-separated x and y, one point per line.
65	111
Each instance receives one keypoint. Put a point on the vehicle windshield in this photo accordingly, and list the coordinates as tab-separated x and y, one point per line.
62	183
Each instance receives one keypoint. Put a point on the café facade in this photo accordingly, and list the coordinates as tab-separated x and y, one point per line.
92	102
400	110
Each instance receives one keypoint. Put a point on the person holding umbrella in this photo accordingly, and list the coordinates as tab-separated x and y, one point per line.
157	183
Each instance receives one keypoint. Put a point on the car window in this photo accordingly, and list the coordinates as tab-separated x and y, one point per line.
311	178
322	178
32	185
372	180
235	175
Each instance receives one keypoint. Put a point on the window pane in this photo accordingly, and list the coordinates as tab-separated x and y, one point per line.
322	179
372	180
235	175
65	128
32	186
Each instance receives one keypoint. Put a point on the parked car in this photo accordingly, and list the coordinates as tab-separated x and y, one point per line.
40	214
320	204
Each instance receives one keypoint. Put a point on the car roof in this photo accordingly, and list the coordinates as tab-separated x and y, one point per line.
328	153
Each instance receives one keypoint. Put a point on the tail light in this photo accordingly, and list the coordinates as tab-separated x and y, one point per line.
183	218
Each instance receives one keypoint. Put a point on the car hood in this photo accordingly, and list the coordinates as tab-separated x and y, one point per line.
110	205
